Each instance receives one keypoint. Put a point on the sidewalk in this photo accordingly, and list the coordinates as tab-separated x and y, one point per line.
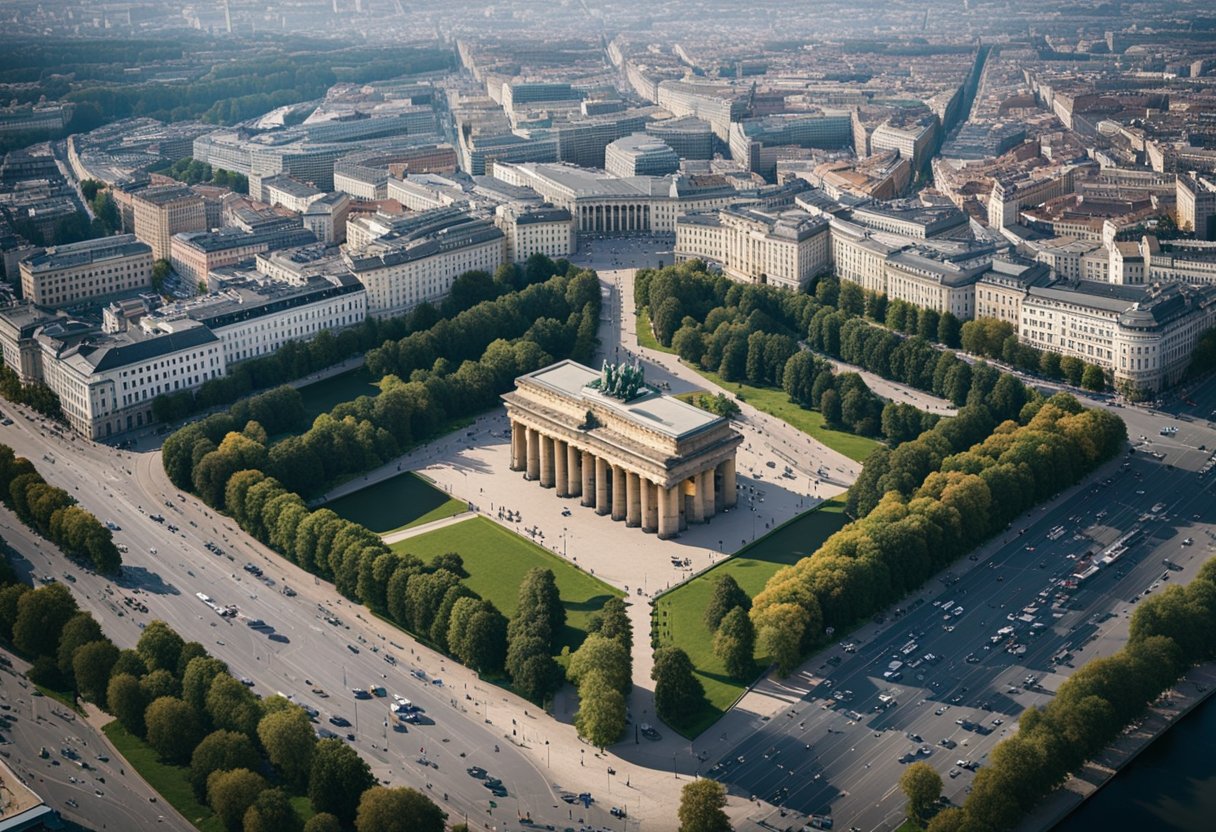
413	531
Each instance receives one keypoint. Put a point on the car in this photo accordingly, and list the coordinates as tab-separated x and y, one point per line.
360	693
340	721
476	772
246	681
352	648
946	742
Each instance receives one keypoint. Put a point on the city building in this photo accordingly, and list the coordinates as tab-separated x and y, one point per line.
640	155
1000	290
19	324
780	248
164	210
420	255
604	204
1143	336
716	104
292	194
915	137
648	459
195	255
326	217
1009	196
689	137
68	274
543	230
106	383
254	317
755	142
583	141
1196	197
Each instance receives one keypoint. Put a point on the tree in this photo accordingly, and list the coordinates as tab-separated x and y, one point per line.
338	777
196	680
701	807
220	751
603	656
829	406
80	630
922	786
383	809
9	596
323	822
41	617
949	330
272	812
735	643
173	729
677	692
727	595
1093	378
612	621
160	645
161	269
601	712
91	667
126	700
231	705
289	741
231	793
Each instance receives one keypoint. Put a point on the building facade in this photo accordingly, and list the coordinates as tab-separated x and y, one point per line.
164	210
651	461
545	230
71	273
781	248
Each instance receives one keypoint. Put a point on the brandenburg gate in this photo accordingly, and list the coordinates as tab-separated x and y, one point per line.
621	446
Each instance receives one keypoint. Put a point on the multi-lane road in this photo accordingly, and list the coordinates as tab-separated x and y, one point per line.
299	652
840	751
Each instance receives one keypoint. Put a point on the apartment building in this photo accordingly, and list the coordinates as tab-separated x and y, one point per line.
1196	197
68	274
1009	196
326	218
1000	290
161	211
640	155
292	194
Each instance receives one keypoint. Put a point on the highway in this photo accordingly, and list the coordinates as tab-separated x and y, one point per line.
843	758
103	793
314	661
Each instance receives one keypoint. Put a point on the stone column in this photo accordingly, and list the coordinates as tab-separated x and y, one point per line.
546	461
633	499
561	479
618	492
519	446
573	471
710	502
729	495
669	522
601	486
650	515
696	512
588	470
533	454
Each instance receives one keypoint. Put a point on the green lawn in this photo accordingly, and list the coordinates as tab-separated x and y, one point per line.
397	503
646	333
678	613
171	782
776	403
497	560
63	697
323	396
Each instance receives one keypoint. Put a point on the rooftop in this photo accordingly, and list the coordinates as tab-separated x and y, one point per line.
652	410
83	253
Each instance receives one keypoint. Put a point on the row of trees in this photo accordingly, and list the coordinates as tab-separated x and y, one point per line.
54	514
726	616
998	339
296	359
245	756
37	395
243	87
748	337
363	434
602	668
925	504
193	172
1169	633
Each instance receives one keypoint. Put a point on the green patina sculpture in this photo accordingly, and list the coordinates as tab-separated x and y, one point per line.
621	381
